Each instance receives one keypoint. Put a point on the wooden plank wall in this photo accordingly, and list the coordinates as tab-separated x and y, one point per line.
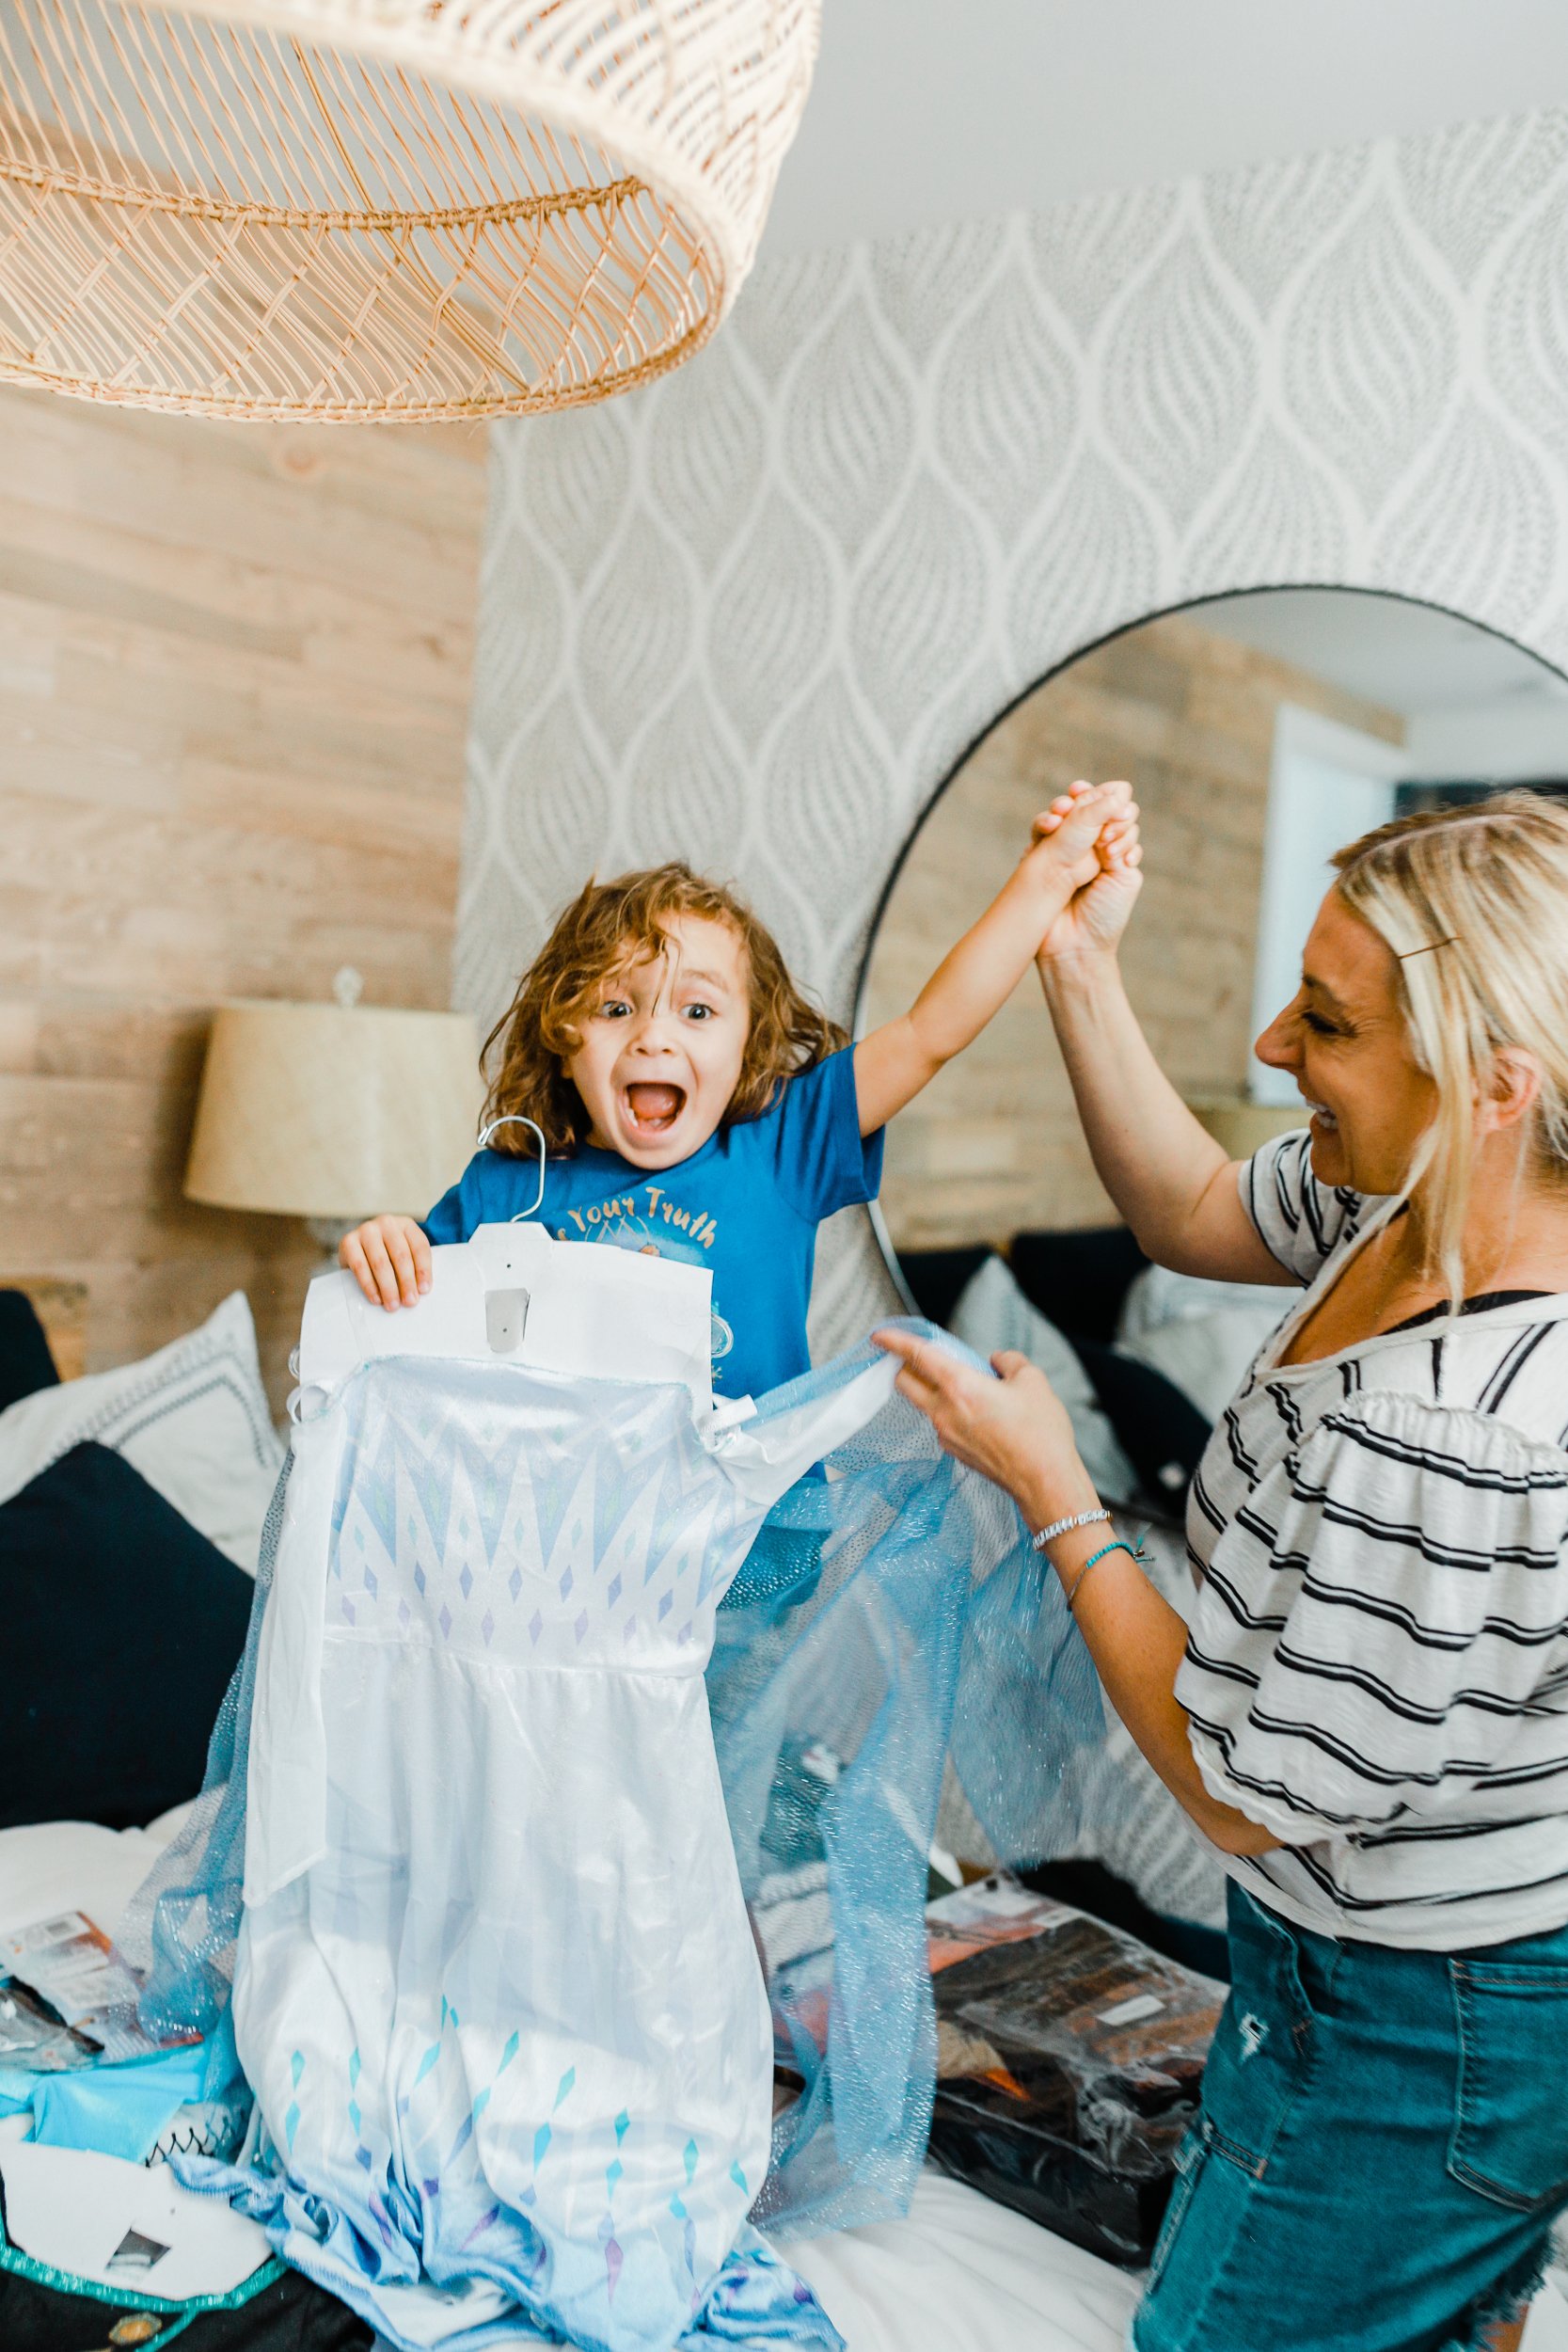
234	669
994	1145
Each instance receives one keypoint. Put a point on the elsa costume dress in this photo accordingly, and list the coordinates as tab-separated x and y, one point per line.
498	1777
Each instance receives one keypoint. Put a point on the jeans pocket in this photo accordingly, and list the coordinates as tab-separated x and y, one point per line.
1510	2138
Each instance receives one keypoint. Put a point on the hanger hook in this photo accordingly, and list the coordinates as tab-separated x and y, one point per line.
515	1119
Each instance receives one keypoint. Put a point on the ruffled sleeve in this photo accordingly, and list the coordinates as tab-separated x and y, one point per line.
1299	1221
1383	1627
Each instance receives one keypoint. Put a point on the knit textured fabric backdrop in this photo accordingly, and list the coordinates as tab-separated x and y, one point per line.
754	615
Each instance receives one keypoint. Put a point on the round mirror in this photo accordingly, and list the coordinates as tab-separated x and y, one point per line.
1260	732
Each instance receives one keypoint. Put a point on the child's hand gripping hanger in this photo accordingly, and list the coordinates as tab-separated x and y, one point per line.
512	1292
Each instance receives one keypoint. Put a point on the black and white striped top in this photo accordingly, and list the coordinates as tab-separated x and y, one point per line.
1378	1664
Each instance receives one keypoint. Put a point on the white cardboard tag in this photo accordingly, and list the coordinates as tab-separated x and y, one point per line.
513	1293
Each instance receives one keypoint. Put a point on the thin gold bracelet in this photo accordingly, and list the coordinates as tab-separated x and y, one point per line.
1093	1560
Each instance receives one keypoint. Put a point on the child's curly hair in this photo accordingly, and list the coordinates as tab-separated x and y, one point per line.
608	925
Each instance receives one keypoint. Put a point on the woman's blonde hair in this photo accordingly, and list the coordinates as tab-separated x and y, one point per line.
1473	901
607	927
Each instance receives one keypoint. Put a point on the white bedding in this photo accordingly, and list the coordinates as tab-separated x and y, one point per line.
77	1866
960	2274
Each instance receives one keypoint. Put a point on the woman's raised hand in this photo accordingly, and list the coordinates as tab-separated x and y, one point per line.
1015	1428
1095	918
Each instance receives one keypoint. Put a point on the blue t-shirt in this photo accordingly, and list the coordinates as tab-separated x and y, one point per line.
747	1206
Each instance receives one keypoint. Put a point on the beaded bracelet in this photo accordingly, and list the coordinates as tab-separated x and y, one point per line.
1060	1527
1136	1557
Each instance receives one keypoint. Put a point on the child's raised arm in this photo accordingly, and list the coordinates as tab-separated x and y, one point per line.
972	983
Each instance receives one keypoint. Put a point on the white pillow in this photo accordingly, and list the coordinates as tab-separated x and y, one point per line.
992	1312
192	1419
1201	1335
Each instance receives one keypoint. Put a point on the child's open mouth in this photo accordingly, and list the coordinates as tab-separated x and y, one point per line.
653	1110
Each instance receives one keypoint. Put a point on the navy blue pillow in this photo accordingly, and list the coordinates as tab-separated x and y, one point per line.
26	1363
1161	1432
121	1625
1079	1279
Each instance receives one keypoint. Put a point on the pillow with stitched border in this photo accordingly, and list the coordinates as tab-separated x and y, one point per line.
191	1418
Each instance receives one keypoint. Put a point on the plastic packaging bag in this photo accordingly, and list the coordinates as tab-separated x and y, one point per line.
1070	2062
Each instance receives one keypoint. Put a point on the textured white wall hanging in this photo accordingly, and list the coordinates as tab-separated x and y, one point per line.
753	616
381	210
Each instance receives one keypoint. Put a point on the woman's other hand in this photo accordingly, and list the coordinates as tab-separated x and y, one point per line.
1092	922
390	1259
1013	1429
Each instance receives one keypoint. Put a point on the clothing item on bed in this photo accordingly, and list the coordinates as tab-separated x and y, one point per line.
544	2106
127	2109
285	2315
76	2215
496	1992
97	2253
1383	2146
1377	1665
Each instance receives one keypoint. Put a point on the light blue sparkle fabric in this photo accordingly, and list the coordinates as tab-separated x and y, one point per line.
493	1978
890	1622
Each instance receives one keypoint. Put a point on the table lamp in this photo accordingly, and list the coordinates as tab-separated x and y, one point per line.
334	1112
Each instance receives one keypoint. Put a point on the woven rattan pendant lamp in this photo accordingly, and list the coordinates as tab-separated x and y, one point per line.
364	211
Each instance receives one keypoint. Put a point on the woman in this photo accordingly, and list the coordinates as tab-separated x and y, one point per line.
1368	1717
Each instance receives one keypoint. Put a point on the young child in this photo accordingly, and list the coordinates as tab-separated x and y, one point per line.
693	1102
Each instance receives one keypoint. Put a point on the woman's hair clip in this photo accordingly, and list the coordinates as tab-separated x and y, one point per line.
1452	940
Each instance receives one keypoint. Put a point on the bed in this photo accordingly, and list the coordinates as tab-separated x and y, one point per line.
960	2274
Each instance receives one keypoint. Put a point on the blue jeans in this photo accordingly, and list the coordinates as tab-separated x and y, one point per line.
1382	2149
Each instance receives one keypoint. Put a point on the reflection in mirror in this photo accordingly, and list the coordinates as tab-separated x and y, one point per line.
1260	732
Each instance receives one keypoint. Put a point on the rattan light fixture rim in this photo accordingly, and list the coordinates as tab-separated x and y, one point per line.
711	197
477	412
535	88
347	412
288	216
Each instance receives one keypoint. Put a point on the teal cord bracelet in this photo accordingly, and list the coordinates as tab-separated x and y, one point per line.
1093	1559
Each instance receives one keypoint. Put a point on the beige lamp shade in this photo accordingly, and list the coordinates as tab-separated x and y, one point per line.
1241	1127
323	1111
